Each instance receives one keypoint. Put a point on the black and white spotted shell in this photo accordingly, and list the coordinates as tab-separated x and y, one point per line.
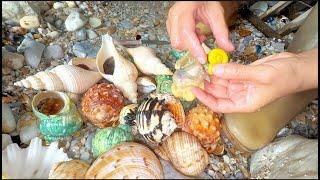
128	117
154	122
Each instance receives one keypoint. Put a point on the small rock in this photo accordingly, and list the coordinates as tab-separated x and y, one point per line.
12	60
58	23
85	49
226	159
81	34
259	7
53	52
250	50
10	48
71	4
42	31
58	5
51	27
18	30
75	21
244	32
24	71
53	34
32	51
94	22
110	30
278	47
126	24
88	143
29	22
85	156
91	34
6	70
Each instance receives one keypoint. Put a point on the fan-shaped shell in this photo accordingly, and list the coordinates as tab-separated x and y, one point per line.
127	160
205	125
102	104
115	68
74	169
128	117
185	153
62	78
147	62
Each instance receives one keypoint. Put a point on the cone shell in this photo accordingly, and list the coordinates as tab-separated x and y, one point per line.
147	62
128	117
185	153
62	78
205	125
74	169
102	104
128	160
121	72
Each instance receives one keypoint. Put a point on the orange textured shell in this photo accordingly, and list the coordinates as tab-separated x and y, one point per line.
102	104
205	125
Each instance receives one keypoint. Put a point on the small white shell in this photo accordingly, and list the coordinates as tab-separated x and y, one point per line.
146	85
8	120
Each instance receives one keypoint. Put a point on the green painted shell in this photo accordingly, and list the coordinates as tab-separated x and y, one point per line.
62	124
164	83
108	137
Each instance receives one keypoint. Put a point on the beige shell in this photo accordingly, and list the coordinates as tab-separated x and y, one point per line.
62	78
185	153
147	62
146	84
122	73
128	160
74	169
90	63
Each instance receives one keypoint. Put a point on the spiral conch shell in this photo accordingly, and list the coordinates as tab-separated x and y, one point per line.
62	78
115	68
147	62
185	153
74	169
128	160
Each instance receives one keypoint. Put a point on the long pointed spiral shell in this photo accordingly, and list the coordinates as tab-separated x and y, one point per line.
147	62
62	78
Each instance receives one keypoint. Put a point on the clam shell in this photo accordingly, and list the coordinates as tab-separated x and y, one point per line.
121	72
128	117
102	104
127	160
185	153
146	85
27	127
33	162
205	125
107	138
74	169
62	78
8	120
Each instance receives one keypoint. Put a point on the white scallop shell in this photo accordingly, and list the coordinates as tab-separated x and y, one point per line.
34	161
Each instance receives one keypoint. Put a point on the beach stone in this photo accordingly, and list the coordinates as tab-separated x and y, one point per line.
32	51
29	22
58	5
94	22
75	21
81	34
53	52
53	34
12	60
85	49
71	4
91	34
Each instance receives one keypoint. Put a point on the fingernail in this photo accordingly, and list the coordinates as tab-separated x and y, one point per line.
218	69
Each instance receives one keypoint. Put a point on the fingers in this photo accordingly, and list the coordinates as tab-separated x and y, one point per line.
215	90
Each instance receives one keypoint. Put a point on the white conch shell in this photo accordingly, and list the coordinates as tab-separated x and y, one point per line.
147	62
33	162
124	73
62	78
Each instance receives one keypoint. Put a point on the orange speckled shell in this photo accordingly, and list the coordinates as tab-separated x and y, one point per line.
205	125
128	160
102	104
74	169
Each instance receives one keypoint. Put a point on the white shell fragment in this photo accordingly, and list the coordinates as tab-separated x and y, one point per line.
6	140
146	85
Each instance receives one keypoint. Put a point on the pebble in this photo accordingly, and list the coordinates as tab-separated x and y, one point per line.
91	34
12	60
32	51
75	21
278	47
6	70
126	24
94	22
88	143
71	4
259	7
81	34
42	31
250	50
85	49
58	23
29	22
85	156
226	159
53	34
18	30
58	5
244	32
10	48
53	52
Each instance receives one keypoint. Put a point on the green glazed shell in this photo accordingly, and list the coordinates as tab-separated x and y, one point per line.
65	123
164	83
108	137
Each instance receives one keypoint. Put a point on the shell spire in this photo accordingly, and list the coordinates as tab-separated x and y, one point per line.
147	62
62	78
117	69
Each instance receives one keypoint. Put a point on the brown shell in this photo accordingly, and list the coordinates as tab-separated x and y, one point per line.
205	125
102	104
185	153
74	169
128	160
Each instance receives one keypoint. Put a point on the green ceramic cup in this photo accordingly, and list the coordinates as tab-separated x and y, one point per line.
64	123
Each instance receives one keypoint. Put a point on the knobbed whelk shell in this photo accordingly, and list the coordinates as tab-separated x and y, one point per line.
146	85
147	62
128	160
74	169
102	104
62	78
117	69
185	153
205	125
128	117
107	138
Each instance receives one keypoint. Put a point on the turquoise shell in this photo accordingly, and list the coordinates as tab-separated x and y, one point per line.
65	123
164	83
108	137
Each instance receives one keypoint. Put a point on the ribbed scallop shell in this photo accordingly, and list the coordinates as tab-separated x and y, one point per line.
74	169
128	160
185	153
128	117
102	104
205	125
147	62
62	78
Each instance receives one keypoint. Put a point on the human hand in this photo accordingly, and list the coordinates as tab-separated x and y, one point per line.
182	20
239	88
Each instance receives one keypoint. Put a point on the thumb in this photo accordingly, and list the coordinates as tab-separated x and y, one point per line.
237	72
